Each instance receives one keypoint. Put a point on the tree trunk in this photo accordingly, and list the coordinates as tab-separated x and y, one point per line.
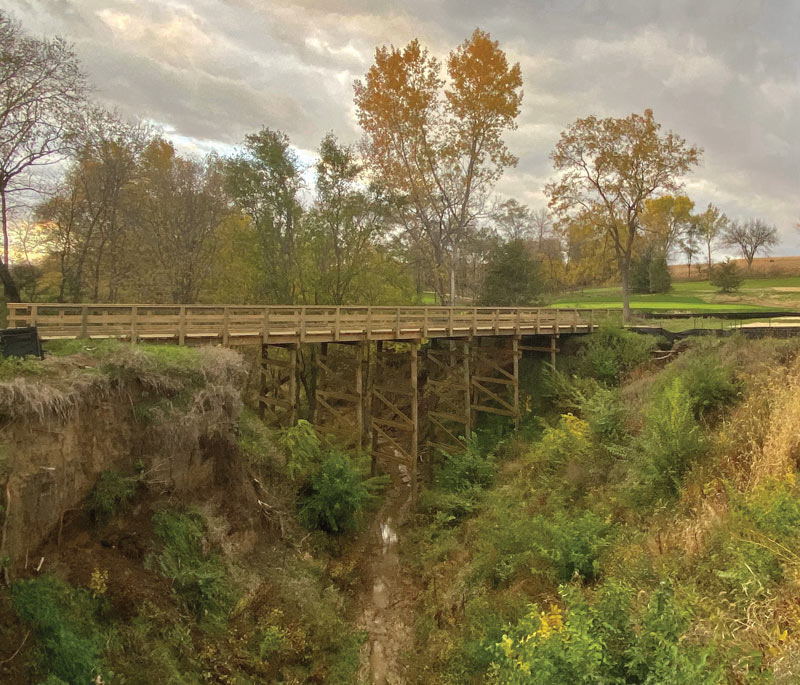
11	290
626	297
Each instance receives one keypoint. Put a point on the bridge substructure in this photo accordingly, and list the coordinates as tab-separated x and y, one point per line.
396	381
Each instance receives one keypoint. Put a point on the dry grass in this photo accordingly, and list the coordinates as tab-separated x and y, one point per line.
213	377
762	266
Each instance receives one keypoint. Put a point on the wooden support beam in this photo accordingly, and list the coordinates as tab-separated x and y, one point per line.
517	353
414	371
278	393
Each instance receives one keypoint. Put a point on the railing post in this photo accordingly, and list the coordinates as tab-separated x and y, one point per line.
265	332
302	324
34	314
225	322
182	325
450	323
425	322
538	319
134	322
368	325
85	321
337	324
517	325
398	322
497	320
555	323
591	320
574	320
474	331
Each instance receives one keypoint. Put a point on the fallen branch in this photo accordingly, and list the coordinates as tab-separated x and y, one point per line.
21	644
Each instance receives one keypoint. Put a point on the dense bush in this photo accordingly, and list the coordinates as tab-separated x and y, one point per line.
571	544
335	495
465	471
606	415
608	640
709	382
63	618
610	352
668	446
198	576
726	276
303	449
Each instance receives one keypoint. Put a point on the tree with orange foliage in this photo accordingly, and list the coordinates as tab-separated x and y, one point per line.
437	144
609	168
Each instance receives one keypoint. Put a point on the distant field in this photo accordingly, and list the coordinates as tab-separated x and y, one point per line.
762	266
755	295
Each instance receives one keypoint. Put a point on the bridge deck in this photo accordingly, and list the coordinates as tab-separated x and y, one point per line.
248	324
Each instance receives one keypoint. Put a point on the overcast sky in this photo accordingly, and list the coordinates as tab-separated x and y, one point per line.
724	74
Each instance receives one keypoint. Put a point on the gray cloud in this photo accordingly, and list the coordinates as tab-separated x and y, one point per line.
722	74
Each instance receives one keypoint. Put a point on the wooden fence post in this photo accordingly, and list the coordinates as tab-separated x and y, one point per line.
182	325
225	324
85	321
134	322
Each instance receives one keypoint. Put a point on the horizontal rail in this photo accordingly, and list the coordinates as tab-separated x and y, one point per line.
242	324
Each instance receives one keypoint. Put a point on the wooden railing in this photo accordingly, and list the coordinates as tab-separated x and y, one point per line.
243	324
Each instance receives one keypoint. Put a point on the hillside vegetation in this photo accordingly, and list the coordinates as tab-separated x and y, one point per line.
643	532
641	527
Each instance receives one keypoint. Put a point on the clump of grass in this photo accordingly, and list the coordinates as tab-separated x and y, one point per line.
198	575
111	494
70	640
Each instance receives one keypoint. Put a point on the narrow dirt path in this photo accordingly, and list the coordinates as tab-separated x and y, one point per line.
386	605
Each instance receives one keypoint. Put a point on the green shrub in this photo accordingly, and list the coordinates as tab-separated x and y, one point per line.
303	450
726	276
606	415
110	494
670	443
605	641
335	495
609	352
709	382
568	441
198	576
63	618
459	481
465	471
571	544
271	640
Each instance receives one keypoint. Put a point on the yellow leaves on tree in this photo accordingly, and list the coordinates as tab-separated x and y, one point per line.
437	144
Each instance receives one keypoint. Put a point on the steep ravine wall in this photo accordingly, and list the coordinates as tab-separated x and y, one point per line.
165	415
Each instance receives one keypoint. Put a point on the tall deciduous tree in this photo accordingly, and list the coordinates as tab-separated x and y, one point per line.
438	145
514	221
42	91
711	225
183	205
751	237
609	168
264	180
344	223
666	220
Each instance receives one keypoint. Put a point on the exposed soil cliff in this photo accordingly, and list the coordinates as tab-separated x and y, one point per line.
164	414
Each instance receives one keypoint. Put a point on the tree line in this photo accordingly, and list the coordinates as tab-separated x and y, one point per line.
99	208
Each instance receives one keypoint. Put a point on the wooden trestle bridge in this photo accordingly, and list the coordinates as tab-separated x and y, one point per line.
375	369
